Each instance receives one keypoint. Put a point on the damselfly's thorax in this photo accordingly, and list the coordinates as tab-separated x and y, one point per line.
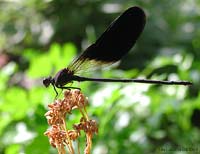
63	77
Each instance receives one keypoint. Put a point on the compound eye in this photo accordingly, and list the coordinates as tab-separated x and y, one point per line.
47	81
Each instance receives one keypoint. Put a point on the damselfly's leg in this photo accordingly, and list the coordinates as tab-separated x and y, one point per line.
69	88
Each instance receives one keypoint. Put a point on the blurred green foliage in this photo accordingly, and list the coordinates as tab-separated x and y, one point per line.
39	37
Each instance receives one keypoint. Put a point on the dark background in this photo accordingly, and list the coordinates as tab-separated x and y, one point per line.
39	37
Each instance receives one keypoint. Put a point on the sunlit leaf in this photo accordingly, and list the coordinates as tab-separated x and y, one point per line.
40	67
13	149
15	103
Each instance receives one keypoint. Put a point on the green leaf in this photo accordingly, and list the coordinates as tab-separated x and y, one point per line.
15	103
69	52
12	149
39	145
40	66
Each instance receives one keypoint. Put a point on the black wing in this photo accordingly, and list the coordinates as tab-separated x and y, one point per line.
115	42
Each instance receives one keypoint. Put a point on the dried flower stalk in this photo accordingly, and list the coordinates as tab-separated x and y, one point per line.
59	136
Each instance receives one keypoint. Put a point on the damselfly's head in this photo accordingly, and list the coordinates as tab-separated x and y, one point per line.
47	81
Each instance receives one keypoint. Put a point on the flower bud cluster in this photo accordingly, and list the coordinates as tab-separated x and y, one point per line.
59	136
